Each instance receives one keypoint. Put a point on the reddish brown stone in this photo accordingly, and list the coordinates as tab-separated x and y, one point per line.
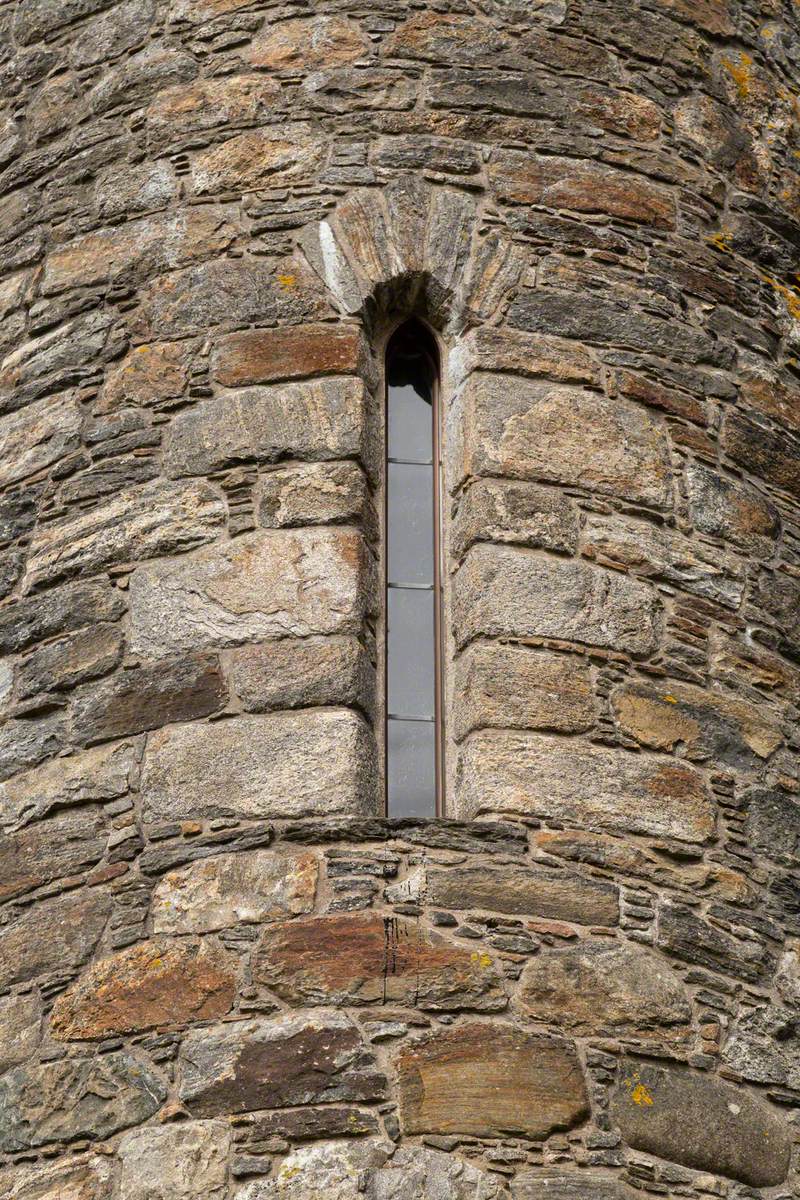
489	1080
147	375
155	983
656	395
366	958
292	352
307	44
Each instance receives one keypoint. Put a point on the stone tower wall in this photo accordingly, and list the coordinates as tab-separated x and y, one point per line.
223	974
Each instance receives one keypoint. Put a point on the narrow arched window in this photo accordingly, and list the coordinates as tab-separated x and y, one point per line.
413	662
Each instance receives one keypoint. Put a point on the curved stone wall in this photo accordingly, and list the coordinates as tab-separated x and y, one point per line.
222	975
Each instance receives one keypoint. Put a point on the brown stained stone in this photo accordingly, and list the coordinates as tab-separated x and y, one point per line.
78	1178
177	115
738	662
268	157
771	454
310	1124
511	686
623	113
700	1122
555	433
69	661
543	1183
569	780
511	592
308	44
386	960
148	696
233	889
765	391
733	511
65	844
705	724
656	395
153	984
147	375
291	1060
489	1080
293	352
584	187
162	517
55	935
596	986
20	1029
538	891
302	673
493	510
315	494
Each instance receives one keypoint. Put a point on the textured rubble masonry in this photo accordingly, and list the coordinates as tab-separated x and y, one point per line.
224	973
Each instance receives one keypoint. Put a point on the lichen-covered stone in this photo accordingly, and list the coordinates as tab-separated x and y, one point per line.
232	889
290	1060
76	1098
502	591
490	1080
268	584
178	1162
722	1129
281	764
510	772
387	959
595	986
336	1170
155	983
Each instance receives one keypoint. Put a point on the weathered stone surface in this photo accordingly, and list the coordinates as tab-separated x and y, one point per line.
773	824
178	1162
57	359
137	78
79	1178
60	611
514	687
62	845
263	585
705	724
146	376
147	697
582	784
763	1045
76	1098
322	419
28	741
293	1059
488	1080
283	764
772	455
489	349
596	986
502	425
732	511
308	44
787	978
294	352
539	891
778	594
418	1173
581	186
159	518
20	1028
36	19
38	436
177	115
69	661
584	1184
316	1121
155	983
743	663
493	511
314	494
52	936
503	591
682	933
233	889
388	960
722	1129
302	673
336	1170
101	774
663	553
269	157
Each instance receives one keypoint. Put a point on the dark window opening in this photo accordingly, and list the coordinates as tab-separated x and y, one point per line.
413	664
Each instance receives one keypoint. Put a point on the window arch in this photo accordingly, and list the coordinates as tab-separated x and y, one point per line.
413	672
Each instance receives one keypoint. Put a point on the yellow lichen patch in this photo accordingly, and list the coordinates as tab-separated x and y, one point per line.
669	699
720	241
741	73
483	960
287	281
789	294
640	1095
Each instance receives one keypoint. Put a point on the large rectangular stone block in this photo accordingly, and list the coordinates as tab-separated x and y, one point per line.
568	780
280	765
270	584
493	510
525	429
504	591
288	352
315	419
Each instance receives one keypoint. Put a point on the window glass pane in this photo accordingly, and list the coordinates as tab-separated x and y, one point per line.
409	522
410	661
411	757
410	424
